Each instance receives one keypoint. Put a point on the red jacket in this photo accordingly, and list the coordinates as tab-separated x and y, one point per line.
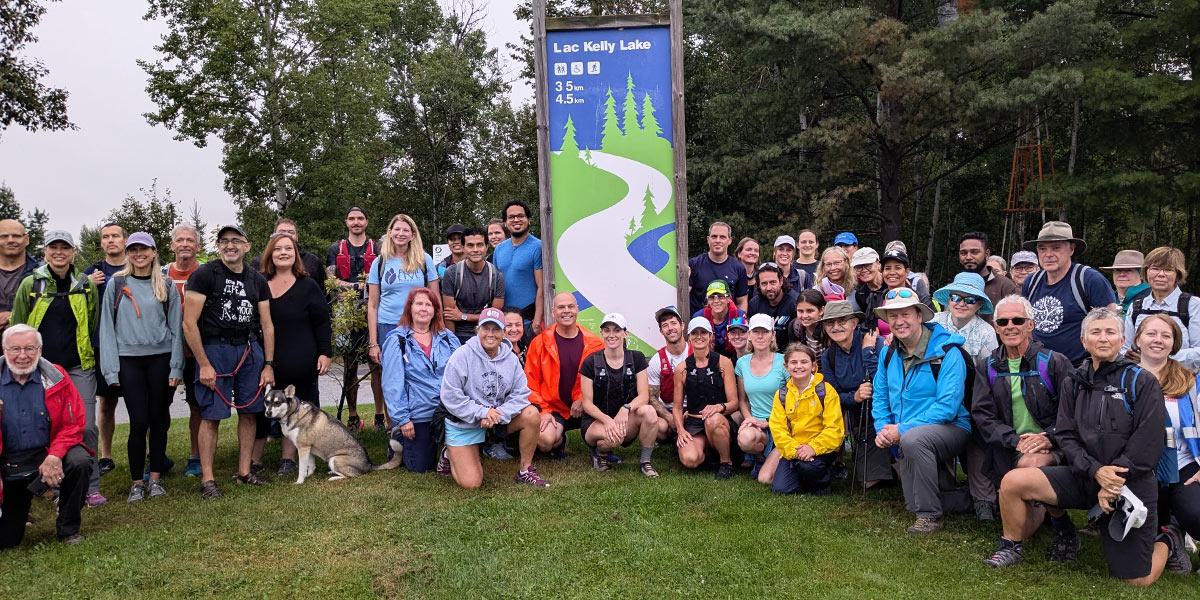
65	407
542	371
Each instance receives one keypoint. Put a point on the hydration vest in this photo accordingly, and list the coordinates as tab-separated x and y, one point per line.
344	262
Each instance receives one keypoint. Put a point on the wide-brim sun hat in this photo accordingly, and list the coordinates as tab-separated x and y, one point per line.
1127	259
899	298
840	309
967	284
1056	231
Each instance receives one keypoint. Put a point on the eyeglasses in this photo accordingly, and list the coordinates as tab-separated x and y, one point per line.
1015	321
968	300
861	268
718	295
517	217
18	350
230	242
901	293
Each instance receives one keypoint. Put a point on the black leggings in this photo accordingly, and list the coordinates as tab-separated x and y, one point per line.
144	385
1182	502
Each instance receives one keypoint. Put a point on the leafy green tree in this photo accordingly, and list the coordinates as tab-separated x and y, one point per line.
25	99
9	207
35	222
155	213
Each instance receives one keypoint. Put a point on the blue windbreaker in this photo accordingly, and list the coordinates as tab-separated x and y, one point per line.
915	398
411	380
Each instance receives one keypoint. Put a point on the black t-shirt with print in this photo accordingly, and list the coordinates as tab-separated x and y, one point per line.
231	310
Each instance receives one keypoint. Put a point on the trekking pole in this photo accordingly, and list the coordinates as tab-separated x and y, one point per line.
854	464
862	443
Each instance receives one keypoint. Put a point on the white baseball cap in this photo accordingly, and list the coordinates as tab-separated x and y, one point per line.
785	239
864	256
614	318
762	321
699	323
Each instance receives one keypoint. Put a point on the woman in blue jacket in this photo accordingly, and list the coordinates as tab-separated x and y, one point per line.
414	360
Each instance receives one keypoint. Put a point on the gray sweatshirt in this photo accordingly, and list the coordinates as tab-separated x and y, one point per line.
153	331
475	382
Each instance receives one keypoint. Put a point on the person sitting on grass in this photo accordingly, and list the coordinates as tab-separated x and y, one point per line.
616	398
759	376
1016	399
484	386
918	414
706	379
1110	426
806	424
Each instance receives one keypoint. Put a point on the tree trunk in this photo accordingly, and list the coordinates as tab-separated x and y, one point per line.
937	206
891	159
1062	211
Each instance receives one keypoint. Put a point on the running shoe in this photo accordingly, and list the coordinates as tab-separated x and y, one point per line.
985	511
443	466
1177	557
355	424
924	525
838	471
612	458
193	467
146	473
137	493
95	499
251	478
648	469
756	466
210	491
1007	555
598	461
497	452
1065	546
256	467
1091	529
724	471
72	539
559	451
106	465
156	488
531	477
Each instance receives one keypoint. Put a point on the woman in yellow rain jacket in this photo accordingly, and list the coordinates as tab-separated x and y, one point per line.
806	425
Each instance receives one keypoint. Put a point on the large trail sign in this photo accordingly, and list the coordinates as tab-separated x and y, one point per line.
608	99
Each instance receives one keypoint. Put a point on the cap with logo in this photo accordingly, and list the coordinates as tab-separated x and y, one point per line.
718	286
616	319
845	238
492	315
864	256
58	235
699	323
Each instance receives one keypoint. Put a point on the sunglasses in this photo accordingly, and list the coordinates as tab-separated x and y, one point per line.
768	265
968	300
718	295
1015	321
900	293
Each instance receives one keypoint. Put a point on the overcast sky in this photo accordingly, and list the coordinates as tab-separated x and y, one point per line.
79	176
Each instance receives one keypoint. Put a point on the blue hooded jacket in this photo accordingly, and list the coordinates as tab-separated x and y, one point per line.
915	398
412	381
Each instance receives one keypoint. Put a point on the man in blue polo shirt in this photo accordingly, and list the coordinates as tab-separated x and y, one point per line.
519	258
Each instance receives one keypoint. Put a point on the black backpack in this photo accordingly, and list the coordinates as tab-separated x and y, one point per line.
1181	311
600	369
935	367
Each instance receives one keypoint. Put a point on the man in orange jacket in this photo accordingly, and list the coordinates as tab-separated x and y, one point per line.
552	368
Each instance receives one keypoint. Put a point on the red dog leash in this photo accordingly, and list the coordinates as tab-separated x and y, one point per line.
216	389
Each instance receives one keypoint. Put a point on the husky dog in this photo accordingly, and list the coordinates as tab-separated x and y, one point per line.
315	432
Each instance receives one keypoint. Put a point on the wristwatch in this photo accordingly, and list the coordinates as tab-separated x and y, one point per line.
268	363
462	317
626	407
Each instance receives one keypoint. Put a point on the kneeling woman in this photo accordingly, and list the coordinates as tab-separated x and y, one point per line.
706	379
616	398
414	359
806	424
484	386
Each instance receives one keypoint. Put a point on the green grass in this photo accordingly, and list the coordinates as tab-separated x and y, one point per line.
590	535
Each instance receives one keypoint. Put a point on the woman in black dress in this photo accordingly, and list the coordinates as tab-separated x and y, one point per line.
302	332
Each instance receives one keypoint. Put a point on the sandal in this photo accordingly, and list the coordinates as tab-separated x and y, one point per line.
648	469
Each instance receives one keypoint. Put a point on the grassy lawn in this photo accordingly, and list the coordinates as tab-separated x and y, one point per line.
590	535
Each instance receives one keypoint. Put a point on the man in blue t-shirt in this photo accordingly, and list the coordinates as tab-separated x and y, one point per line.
1064	291
717	264
112	242
519	258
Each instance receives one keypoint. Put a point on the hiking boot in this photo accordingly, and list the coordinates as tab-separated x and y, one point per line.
210	491
1178	560
443	466
94	499
1065	546
531	477
72	539
925	525
156	489
287	466
985	511
251	478
193	467
648	469
1007	555
355	424
380	423
724	471
137	493
598	461
497	452
1091	529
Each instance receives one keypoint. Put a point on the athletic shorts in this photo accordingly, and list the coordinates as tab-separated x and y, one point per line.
586	421
695	426
239	388
1129	558
567	424
459	436
189	381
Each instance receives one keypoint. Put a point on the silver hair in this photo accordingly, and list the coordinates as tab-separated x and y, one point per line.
19	329
999	259
1100	314
1015	299
190	228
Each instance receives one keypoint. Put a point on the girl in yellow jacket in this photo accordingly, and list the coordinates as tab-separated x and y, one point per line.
806	426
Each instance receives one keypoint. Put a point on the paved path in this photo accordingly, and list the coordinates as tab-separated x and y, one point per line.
330	384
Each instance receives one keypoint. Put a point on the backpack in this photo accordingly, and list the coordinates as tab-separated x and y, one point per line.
936	367
119	281
343	258
666	375
782	394
219	279
1167	470
1043	371
38	291
1181	311
1075	274
493	279
600	368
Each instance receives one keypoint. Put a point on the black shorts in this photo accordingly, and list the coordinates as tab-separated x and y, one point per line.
566	424
1129	558
189	381
586	421
695	426
103	390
